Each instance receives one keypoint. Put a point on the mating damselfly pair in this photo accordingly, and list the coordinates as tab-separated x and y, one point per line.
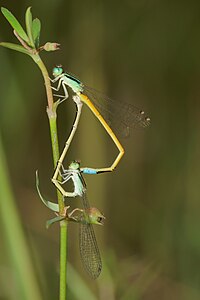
110	114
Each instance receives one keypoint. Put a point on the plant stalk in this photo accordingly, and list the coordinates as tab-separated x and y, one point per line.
52	116
27	41
63	259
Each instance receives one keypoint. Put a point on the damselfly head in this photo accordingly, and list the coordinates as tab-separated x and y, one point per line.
75	165
95	216
58	70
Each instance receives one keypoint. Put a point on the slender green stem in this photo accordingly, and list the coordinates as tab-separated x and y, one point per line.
63	259
51	112
52	116
55	150
47	82
51	109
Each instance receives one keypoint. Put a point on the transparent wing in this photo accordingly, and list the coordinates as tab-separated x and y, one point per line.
119	115
89	250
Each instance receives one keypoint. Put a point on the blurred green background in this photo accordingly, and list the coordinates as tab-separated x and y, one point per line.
142	52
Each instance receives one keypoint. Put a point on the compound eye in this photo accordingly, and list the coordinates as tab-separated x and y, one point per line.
57	71
99	220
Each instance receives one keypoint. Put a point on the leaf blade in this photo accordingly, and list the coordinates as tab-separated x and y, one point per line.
15	47
51	205
15	24
36	28
29	24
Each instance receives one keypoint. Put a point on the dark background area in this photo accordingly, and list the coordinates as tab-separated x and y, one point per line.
142	52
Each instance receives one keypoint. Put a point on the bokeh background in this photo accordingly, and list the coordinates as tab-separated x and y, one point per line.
142	52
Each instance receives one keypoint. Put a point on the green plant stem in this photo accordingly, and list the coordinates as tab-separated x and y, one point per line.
63	259
17	245
51	112
47	82
52	116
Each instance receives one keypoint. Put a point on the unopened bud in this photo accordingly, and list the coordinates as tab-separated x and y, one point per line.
51	46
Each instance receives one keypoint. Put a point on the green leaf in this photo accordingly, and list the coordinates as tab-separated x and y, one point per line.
29	21
36	28
50	205
15	47
54	220
15	24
